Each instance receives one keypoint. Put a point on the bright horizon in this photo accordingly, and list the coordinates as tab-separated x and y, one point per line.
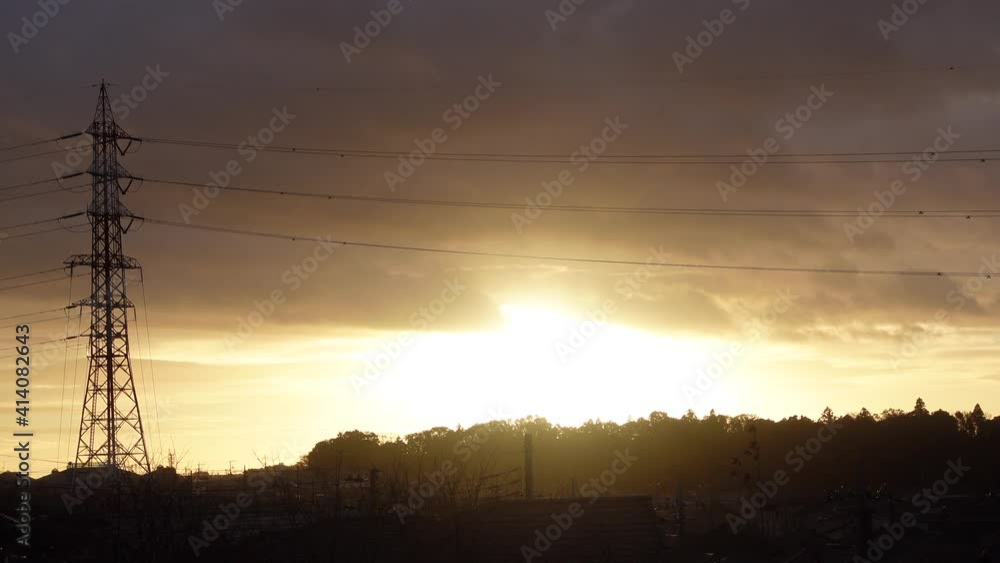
497	187
448	379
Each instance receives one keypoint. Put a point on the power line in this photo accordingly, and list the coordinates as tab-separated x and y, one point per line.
46	343
37	313
149	352
62	398
299	238
47	192
36	155
36	459
76	363
689	79
43	142
41	232
41	222
835	74
41	282
39	182
29	284
142	372
717	211
28	275
637	159
34	322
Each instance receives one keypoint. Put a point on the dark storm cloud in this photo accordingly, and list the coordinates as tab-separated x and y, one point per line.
608	59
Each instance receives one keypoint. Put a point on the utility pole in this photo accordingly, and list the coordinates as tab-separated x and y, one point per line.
373	491
529	466
340	464
111	432
681	510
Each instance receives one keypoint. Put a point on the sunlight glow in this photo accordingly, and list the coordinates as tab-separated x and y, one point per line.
544	362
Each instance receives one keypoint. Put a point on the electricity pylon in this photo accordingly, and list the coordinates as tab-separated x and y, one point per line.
111	433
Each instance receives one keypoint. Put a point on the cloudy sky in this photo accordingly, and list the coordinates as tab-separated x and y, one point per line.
397	341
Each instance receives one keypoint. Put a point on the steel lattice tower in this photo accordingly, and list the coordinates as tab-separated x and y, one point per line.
111	433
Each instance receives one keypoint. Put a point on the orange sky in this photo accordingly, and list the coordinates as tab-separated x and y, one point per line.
480	337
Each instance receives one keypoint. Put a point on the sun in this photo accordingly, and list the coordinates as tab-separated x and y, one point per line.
534	322
544	361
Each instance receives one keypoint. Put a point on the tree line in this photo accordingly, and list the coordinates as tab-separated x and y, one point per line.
710	455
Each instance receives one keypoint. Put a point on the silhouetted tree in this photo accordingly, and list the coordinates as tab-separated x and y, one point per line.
827	416
715	454
891	413
977	421
865	417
